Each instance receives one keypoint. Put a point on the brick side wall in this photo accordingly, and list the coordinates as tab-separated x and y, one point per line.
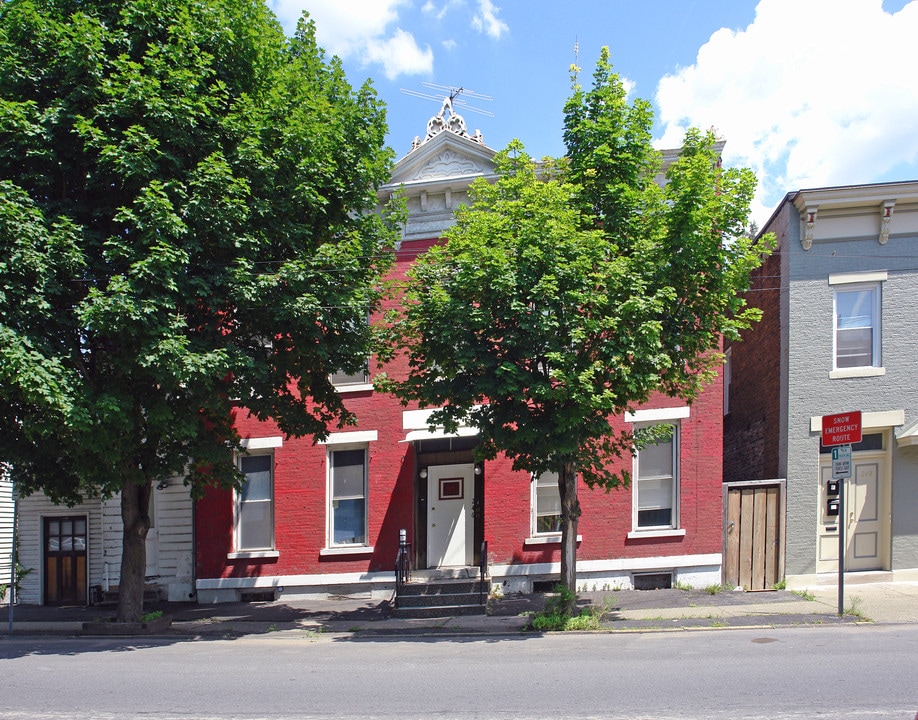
751	433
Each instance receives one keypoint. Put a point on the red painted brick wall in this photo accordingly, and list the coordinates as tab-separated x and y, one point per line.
301	496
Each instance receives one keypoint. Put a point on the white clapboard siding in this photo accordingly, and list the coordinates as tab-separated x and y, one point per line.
169	542
6	529
170	548
32	510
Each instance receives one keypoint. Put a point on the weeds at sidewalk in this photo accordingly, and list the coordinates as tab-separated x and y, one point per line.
555	617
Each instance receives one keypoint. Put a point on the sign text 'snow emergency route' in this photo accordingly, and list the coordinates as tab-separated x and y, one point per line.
841	429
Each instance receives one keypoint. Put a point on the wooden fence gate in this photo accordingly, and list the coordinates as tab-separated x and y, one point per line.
754	513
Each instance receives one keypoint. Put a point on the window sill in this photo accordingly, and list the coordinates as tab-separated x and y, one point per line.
857	372
356	550
252	555
362	387
671	532
547	539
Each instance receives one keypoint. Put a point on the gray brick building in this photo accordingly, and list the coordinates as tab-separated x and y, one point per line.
839	296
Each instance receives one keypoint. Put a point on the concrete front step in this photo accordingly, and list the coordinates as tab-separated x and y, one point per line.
439	611
451	587
443	597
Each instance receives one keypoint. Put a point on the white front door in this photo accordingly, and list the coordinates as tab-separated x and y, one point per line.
450	490
866	516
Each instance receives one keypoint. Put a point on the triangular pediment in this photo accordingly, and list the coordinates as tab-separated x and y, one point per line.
445	157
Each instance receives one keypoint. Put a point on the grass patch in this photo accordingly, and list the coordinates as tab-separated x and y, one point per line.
151	616
679	585
805	594
557	618
714	589
781	584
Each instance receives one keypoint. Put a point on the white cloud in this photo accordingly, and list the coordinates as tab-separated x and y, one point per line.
399	55
811	94
361	30
486	20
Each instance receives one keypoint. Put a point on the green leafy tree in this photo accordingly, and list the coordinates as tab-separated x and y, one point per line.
185	228
569	292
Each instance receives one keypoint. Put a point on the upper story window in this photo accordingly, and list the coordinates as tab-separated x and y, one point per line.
343	379
857	303
857	326
351	381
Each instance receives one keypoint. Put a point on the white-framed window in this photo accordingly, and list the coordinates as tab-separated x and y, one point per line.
857	325
343	379
347	492
350	381
254	522
546	504
656	482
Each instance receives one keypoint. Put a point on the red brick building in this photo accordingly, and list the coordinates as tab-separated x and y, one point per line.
325	518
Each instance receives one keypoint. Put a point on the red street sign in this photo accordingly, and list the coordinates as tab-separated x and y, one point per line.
841	428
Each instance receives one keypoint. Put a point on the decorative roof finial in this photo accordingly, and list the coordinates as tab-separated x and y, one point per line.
447	119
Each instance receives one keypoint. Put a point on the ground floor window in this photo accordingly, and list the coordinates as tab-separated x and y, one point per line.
255	503
656	486
546	504
348	497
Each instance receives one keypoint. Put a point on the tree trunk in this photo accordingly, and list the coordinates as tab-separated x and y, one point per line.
570	515
135	515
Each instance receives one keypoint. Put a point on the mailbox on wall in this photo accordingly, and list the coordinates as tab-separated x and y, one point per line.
832	507
832	488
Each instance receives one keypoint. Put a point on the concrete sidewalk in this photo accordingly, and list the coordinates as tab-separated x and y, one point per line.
625	610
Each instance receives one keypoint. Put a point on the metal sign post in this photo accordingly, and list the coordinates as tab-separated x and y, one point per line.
841	470
840	431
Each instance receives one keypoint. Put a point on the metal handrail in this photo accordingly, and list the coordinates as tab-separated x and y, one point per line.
402	564
483	570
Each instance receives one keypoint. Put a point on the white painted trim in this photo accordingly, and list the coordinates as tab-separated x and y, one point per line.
420	419
263	443
356	437
270	581
346	550
554	539
439	434
658	414
387	578
858	277
856	372
361	387
252	554
869	420
416	419
639	564
671	532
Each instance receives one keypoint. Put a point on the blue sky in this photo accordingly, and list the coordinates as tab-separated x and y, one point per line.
808	93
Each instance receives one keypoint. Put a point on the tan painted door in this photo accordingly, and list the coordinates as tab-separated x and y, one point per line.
866	516
450	490
863	509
